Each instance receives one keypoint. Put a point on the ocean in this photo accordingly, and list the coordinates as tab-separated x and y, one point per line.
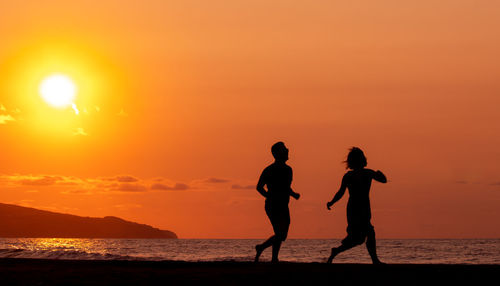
433	251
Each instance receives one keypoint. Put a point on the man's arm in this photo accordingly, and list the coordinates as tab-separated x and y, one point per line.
340	193
261	183
292	193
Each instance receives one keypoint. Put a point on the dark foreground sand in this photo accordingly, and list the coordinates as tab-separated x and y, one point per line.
63	272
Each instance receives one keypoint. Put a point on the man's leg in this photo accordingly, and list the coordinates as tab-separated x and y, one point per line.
280	220
259	248
281	226
276	250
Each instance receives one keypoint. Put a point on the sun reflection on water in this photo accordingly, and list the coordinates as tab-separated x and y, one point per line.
67	244
55	248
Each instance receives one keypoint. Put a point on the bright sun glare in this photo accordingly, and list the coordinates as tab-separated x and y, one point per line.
58	90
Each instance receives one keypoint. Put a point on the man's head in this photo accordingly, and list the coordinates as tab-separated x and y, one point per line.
280	152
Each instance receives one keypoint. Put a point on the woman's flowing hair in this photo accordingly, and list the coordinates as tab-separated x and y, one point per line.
355	159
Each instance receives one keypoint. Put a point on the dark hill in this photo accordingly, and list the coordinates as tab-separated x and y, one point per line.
16	221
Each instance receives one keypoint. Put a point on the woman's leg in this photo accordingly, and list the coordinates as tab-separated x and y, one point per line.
354	237
336	250
371	245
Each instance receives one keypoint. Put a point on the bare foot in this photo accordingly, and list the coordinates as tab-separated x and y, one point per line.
332	255
258	250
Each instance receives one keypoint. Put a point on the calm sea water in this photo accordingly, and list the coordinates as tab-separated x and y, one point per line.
470	251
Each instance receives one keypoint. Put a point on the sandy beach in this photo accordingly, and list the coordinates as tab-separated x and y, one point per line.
81	272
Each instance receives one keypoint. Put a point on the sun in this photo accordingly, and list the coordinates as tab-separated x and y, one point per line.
58	90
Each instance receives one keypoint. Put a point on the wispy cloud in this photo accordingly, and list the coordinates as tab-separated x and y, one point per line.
76	185
210	183
126	179
463	182
29	180
119	183
77	192
215	181
164	187
6	118
80	131
122	113
129	187
125	207
43	181
242	187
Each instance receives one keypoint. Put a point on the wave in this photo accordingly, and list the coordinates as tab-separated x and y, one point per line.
82	255
392	251
61	254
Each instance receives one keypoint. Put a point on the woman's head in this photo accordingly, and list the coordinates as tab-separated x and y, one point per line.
355	159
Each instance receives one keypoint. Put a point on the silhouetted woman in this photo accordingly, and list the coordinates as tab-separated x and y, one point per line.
277	177
358	181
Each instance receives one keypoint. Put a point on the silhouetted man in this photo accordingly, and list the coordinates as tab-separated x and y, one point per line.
277	177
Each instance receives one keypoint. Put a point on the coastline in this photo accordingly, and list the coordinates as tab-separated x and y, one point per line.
113	272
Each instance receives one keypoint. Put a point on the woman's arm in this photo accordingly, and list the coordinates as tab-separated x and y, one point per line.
294	194
340	193
379	176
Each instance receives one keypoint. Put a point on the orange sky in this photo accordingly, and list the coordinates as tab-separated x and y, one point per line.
183	100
